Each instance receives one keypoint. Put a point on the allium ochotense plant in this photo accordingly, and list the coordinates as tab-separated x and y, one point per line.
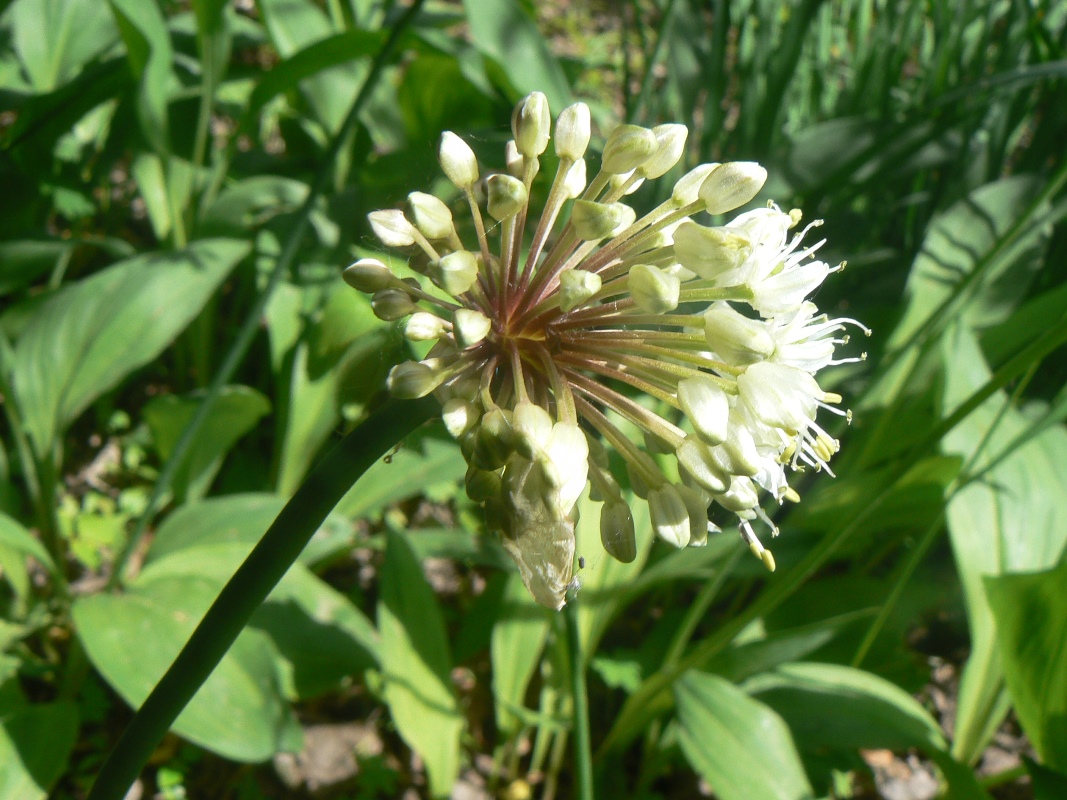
534	346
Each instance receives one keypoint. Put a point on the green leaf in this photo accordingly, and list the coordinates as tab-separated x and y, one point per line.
88	336
16	537
239	712
504	32
54	39
1030	610
416	666
828	705
23	260
148	49
1048	784
404	474
235	412
515	649
35	743
1014	520
741	747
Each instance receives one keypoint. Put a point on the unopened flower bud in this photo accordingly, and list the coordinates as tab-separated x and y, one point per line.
697	506
738	455
740	497
470	326
513	159
369	275
709	252
392	227
617	531
576	286
481	484
412	379
432	217
492	441
506	196
531	124
687	190
532	426
705	403
595	221
735	337
459	416
628	147
575	180
624	183
670	142
695	458
458	161
652	289
390	304
732	185
670	517
572	131
456	273
422	326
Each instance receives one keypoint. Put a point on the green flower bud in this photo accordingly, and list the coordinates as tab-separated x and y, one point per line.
369	275
697	506
709	252
492	441
706	404
392	227
670	517
732	185
695	458
513	160
531	124
506	196
459	416
628	147
637	481
652	289
390	304
670	142
596	221
617	531
532	426
412	379
575	180
458	161
432	217
422	326
734	337
576	286
481	484
470	326
738	455
572	131
456	273
687	190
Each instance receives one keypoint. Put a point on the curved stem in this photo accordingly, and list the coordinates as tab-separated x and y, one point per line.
280	546
583	753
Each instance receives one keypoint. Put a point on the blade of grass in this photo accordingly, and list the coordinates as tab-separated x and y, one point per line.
251	324
248	588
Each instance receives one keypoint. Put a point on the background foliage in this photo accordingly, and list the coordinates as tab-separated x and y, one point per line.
181	189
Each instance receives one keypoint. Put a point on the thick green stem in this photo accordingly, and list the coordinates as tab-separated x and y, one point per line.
583	752
327	483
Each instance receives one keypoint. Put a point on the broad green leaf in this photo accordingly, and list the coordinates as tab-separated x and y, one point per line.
322	639
504	32
239	712
404	474
1030	610
22	261
235	518
148	49
741	747
54	39
416	666
234	413
15	536
246	204
1048	784
515	649
88	336
35	743
828	705
1012	521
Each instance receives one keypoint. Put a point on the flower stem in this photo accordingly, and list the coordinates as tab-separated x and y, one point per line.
583	753
280	546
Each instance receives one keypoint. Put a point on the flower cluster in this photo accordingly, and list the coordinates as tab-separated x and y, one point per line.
552	335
